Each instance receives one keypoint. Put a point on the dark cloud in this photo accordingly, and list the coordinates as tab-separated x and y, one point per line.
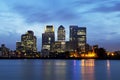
31	13
84	2
44	14
110	33
107	9
39	17
113	33
65	14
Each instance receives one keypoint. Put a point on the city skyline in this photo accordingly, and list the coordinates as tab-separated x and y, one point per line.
101	18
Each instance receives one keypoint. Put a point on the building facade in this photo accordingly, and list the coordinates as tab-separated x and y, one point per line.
28	43
73	38
77	38
61	33
81	38
61	39
48	37
58	46
4	51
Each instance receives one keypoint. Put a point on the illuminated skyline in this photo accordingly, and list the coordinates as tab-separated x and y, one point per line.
100	17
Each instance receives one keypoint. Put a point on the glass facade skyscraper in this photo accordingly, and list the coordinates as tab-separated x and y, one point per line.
81	38
73	37
61	33
77	38
48	37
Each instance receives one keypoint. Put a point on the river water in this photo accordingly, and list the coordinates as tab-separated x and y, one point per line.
36	69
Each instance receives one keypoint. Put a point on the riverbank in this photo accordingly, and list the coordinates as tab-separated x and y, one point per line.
58	58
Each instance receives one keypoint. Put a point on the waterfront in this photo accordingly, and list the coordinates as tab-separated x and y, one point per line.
89	69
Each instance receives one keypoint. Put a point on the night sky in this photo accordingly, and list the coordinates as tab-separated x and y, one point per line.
101	17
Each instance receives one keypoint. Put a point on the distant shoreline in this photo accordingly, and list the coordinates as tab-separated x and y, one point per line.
62	58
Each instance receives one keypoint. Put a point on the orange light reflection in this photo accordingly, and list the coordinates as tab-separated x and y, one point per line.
87	69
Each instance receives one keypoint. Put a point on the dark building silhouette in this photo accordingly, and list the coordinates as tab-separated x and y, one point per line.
48	38
57	47
19	46
68	46
95	48
77	38
81	37
73	37
88	48
4	51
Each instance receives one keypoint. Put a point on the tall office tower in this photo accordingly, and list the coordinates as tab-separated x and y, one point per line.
28	43
78	38
61	39
73	37
61	33
48	37
81	37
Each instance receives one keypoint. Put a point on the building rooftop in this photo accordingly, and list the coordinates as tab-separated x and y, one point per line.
61	27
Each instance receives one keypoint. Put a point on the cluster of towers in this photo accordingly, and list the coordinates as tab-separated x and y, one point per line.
48	40
77	39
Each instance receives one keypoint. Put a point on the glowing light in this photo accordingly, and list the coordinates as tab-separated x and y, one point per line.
112	54
89	55
74	54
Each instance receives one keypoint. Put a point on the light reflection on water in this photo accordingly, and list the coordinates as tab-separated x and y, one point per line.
88	69
108	70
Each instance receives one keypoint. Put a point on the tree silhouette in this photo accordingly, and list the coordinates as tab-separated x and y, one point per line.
101	53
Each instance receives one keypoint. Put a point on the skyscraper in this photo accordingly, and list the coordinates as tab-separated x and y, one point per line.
61	33
28	43
73	37
81	37
77	38
48	37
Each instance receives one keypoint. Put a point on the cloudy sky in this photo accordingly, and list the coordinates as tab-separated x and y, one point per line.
101	17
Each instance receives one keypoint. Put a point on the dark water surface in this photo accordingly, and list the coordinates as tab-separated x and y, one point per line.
59	69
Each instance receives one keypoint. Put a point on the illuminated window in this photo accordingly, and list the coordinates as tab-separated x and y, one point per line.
81	33
81	39
49	38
